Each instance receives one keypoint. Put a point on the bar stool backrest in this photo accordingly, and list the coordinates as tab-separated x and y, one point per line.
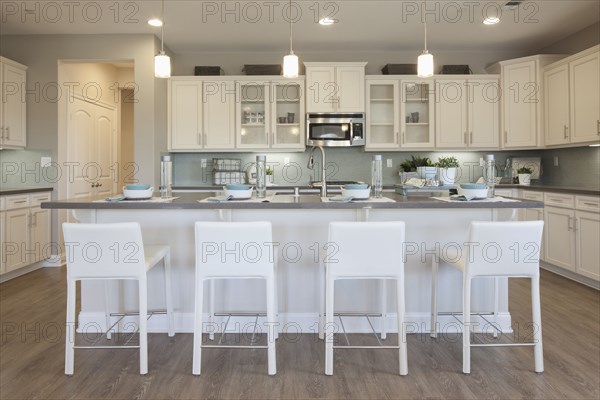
504	248
365	248
99	251
235	249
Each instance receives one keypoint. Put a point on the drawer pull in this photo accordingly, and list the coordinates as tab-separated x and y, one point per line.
20	201
591	204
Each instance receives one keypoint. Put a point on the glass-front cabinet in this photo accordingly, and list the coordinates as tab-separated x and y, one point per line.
417	114
270	115
400	114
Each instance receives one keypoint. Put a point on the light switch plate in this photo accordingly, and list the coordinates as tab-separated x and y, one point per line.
286	160
389	163
45	162
203	163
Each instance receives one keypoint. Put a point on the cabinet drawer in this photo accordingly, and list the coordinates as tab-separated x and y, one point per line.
531	195
559	200
17	201
587	203
38	198
2	206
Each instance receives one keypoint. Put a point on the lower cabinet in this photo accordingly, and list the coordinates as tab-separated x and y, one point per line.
587	239
560	237
25	231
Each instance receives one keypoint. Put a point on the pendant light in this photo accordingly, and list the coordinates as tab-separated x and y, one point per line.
425	61
162	62
290	62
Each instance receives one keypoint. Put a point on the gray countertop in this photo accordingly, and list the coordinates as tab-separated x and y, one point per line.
306	201
8	191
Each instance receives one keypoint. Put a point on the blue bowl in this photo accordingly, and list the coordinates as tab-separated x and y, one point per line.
237	186
356	186
473	186
137	187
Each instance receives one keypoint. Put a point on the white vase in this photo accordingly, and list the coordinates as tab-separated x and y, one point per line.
427	172
525	179
447	176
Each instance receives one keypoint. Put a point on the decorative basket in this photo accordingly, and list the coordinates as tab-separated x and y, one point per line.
266	69
399	69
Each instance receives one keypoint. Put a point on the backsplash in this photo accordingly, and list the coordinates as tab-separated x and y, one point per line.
577	166
342	164
21	169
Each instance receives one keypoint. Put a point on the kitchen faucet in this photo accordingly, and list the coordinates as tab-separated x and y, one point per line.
311	165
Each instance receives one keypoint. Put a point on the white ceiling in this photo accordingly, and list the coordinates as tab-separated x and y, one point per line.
194	26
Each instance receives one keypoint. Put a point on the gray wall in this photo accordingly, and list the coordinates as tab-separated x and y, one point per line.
579	41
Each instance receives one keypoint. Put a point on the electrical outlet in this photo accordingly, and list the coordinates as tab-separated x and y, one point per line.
556	161
286	160
203	163
481	163
45	162
389	163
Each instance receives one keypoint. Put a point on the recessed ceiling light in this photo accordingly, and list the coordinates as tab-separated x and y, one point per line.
155	22
491	20
326	21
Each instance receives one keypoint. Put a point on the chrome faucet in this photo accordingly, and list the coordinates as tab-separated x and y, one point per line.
311	165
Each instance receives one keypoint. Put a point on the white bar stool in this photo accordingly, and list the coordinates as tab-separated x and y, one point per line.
365	250
496	249
112	252
235	250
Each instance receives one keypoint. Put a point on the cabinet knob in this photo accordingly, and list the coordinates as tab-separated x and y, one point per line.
598	126
566	134
471	138
7	132
505	137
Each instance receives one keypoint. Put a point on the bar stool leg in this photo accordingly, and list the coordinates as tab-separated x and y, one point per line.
321	289
143	328
496	291
211	308
169	294
197	351
271	350
276	301
70	334
403	351
107	310
329	327
467	325
435	262
383	291
537	324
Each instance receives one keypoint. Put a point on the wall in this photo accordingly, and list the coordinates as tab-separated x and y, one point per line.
584	39
578	166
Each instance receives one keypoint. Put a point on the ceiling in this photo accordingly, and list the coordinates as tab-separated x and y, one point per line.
194	26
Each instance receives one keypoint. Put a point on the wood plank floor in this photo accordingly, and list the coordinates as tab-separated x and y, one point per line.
32	357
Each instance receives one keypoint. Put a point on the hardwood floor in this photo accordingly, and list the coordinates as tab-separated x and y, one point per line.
32	357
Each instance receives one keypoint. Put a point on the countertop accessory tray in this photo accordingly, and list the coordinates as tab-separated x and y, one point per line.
404	189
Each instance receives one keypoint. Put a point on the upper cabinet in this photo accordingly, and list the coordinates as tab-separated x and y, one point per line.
522	106
467	112
270	115
201	114
335	87
572	99
13	132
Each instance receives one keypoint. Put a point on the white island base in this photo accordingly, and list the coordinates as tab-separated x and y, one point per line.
299	234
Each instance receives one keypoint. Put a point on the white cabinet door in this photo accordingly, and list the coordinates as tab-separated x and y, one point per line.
417	103
451	114
521	95
382	114
483	111
16	241
560	238
587	229
253	121
287	101
218	101
40	235
322	91
350	82
13	106
585	98
556	102
185	115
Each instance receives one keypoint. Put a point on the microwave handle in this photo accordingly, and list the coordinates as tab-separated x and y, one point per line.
351	133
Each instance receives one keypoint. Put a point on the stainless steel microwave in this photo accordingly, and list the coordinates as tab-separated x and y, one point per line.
335	130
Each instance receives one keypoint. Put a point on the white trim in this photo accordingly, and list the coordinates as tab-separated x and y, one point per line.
55	260
19	272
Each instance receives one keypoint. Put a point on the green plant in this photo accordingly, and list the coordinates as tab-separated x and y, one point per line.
269	171
524	170
415	162
447	162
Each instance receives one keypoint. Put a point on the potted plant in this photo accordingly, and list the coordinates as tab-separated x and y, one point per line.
524	174
269	173
425	168
447	168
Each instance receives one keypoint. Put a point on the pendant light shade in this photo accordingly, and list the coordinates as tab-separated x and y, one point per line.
290	62
162	62
162	65
425	60
290	66
425	65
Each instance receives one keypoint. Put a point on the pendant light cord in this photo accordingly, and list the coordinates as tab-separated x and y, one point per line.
162	27
291	30
425	25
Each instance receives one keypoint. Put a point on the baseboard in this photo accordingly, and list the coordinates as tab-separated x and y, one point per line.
290	324
21	271
584	280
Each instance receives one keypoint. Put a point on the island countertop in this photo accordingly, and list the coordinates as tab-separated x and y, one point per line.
284	201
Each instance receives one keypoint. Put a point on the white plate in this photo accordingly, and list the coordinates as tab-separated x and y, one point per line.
358	194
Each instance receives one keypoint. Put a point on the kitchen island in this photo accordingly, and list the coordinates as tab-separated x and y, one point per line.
300	227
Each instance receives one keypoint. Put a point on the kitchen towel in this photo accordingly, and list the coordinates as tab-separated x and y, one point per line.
116	199
224	199
495	199
342	199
